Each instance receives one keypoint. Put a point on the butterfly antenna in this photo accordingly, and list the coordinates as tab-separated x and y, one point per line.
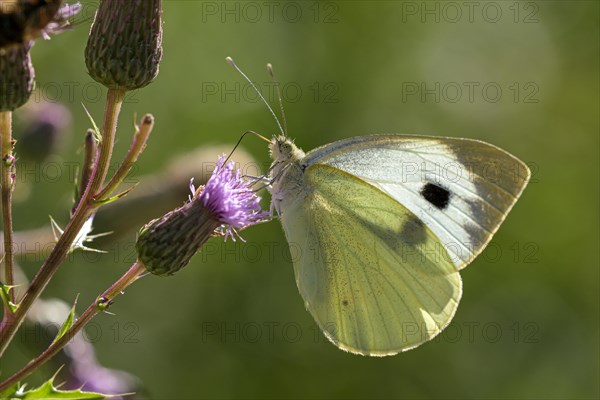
240	141
279	98
232	63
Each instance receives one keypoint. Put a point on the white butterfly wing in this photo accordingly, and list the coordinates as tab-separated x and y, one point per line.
461	189
374	277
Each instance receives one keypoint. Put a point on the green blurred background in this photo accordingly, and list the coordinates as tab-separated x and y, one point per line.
232	324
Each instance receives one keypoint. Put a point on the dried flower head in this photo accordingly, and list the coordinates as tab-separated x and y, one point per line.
224	205
60	21
21	21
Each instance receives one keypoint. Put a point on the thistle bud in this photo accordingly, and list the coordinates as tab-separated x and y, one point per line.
226	203
124	48
16	77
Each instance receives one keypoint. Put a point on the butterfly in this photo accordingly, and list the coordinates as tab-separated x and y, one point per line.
381	225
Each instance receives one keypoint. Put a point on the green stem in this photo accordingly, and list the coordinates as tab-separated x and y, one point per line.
100	304
84	210
7	181
114	100
137	146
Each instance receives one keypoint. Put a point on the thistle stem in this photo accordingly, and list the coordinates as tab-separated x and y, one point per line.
85	209
8	182
89	161
101	303
137	146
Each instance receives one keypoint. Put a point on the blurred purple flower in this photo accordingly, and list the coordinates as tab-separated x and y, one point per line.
44	130
82	368
87	373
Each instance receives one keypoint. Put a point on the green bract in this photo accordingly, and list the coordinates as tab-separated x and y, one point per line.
165	245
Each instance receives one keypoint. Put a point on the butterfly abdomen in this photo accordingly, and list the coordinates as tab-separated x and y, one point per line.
287	187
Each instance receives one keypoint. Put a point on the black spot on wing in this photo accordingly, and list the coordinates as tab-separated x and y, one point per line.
436	195
413	231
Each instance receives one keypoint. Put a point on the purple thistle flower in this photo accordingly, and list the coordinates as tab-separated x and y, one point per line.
231	199
224	205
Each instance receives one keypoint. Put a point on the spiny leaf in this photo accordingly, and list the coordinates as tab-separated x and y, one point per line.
4	293
135	125
68	322
82	237
115	197
76	193
97	134
55	228
9	392
48	391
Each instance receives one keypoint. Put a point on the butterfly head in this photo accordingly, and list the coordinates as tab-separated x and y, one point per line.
283	149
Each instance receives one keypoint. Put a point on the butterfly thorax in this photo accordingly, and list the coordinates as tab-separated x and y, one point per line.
282	149
286	173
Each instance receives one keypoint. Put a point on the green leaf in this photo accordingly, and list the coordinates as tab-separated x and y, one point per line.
4	290
115	197
9	392
68	322
76	190
48	391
